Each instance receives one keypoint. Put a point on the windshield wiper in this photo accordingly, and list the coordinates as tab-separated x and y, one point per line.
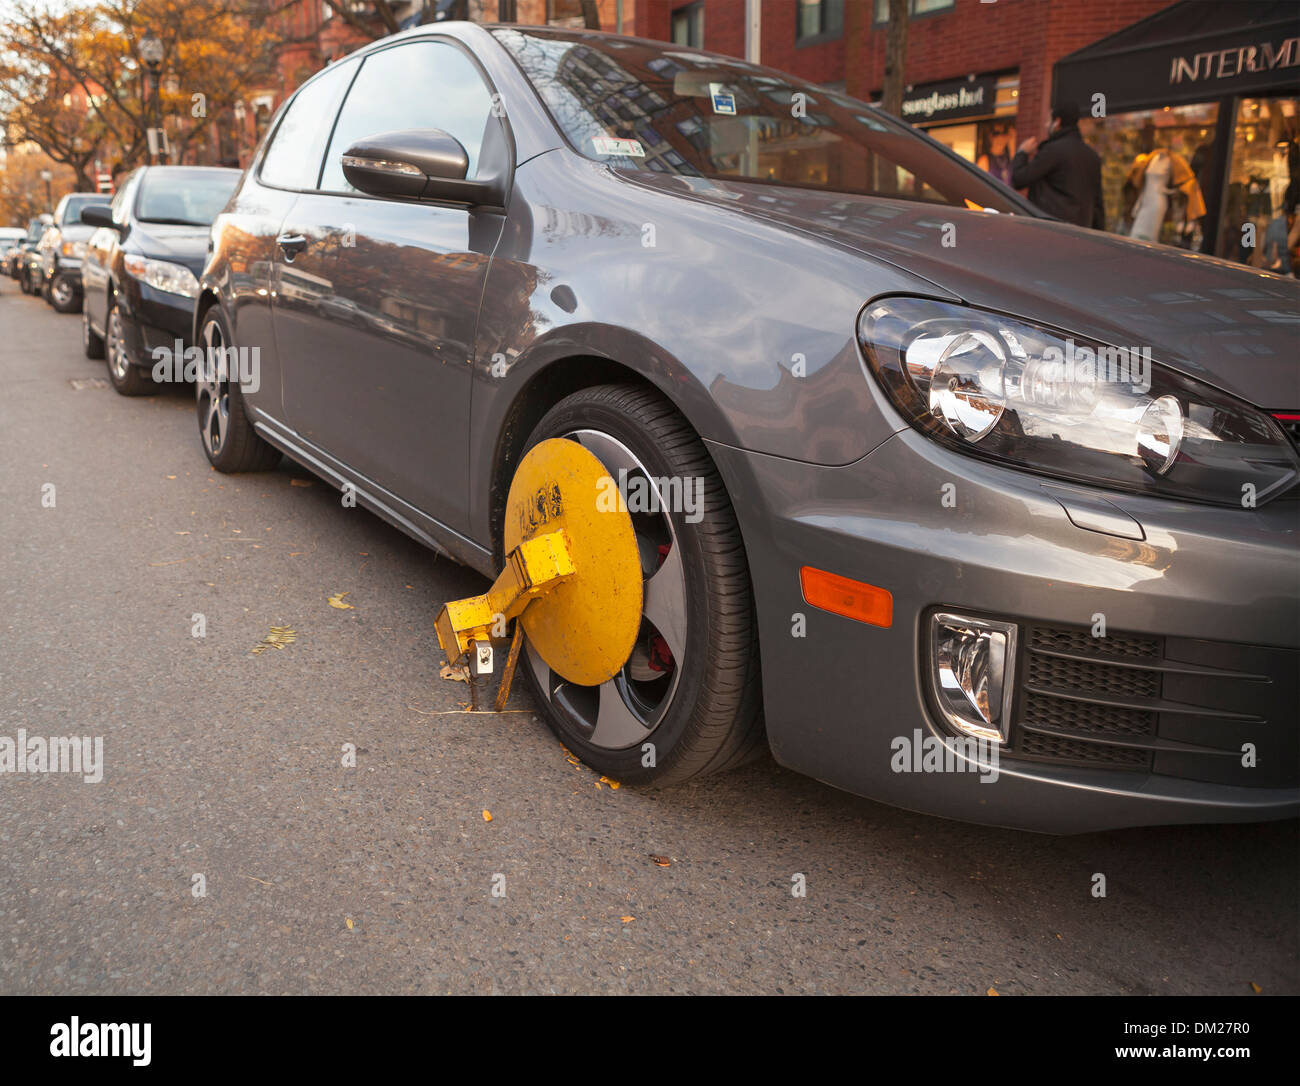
174	222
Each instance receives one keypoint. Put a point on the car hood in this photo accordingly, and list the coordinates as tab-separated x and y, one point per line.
75	231
1226	324
186	245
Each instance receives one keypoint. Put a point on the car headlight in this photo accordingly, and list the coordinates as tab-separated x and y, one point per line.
163	275
1009	391
76	249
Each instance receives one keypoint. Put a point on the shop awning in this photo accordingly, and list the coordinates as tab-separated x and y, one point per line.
1194	51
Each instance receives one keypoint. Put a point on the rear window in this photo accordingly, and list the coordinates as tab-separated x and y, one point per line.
638	105
184	197
72	209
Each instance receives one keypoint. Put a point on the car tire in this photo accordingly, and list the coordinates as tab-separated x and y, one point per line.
25	281
128	379
91	344
229	440
64	296
652	723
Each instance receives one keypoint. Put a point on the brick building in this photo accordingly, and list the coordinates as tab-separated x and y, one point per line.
1009	46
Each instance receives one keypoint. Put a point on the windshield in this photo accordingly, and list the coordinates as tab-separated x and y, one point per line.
634	104
184	197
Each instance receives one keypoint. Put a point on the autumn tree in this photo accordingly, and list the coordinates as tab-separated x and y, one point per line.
24	193
214	51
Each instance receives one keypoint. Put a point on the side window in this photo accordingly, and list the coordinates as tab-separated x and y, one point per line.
425	84
293	159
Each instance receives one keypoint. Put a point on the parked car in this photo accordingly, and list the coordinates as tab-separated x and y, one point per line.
22	256
10	238
62	248
142	266
985	579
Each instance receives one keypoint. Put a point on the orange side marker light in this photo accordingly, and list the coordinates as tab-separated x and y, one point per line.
845	596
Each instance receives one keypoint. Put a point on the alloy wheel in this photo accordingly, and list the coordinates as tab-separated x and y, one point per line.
115	340
213	390
624	711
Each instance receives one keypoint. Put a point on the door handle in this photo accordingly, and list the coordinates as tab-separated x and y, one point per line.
291	245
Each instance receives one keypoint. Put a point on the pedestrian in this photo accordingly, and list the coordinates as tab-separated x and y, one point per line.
1062	174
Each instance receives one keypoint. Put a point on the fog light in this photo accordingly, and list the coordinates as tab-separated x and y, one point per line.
972	661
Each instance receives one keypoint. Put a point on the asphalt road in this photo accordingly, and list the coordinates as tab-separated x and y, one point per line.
321	878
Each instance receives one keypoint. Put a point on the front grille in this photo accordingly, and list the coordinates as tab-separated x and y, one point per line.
1081	716
1071	673
1171	706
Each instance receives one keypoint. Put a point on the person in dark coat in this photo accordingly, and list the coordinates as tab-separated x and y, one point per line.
1062	174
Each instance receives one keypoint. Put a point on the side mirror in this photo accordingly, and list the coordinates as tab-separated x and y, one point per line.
419	164
98	215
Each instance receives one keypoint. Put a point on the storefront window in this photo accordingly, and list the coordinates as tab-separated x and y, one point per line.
1263	184
1155	168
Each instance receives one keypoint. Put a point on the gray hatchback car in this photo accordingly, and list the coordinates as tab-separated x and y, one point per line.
950	505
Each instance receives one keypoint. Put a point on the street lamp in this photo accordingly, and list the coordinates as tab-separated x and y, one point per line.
151	55
47	177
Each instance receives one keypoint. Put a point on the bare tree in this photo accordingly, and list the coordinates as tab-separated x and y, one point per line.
895	57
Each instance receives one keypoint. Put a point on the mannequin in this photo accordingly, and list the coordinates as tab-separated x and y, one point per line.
1153	201
1152	179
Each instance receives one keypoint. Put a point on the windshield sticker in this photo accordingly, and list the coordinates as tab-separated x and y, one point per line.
609	145
723	102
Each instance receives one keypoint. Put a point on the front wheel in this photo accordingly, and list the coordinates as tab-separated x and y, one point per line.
64	296
129	380
229	440
91	343
688	700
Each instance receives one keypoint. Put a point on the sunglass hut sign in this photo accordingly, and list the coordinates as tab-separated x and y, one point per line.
945	104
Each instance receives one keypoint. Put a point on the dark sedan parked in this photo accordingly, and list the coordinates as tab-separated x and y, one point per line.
63	247
22	262
142	266
1007	508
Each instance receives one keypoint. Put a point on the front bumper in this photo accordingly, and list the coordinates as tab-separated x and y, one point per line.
153	320
1202	614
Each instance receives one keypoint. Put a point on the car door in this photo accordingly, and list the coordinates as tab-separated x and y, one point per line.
103	249
377	299
246	230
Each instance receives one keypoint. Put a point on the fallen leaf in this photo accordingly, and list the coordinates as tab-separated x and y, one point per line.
457	674
627	919
487	815
992	991
182	533
349	920
276	639
662	861
1255	988
171	477
336	600
612	784
300	482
